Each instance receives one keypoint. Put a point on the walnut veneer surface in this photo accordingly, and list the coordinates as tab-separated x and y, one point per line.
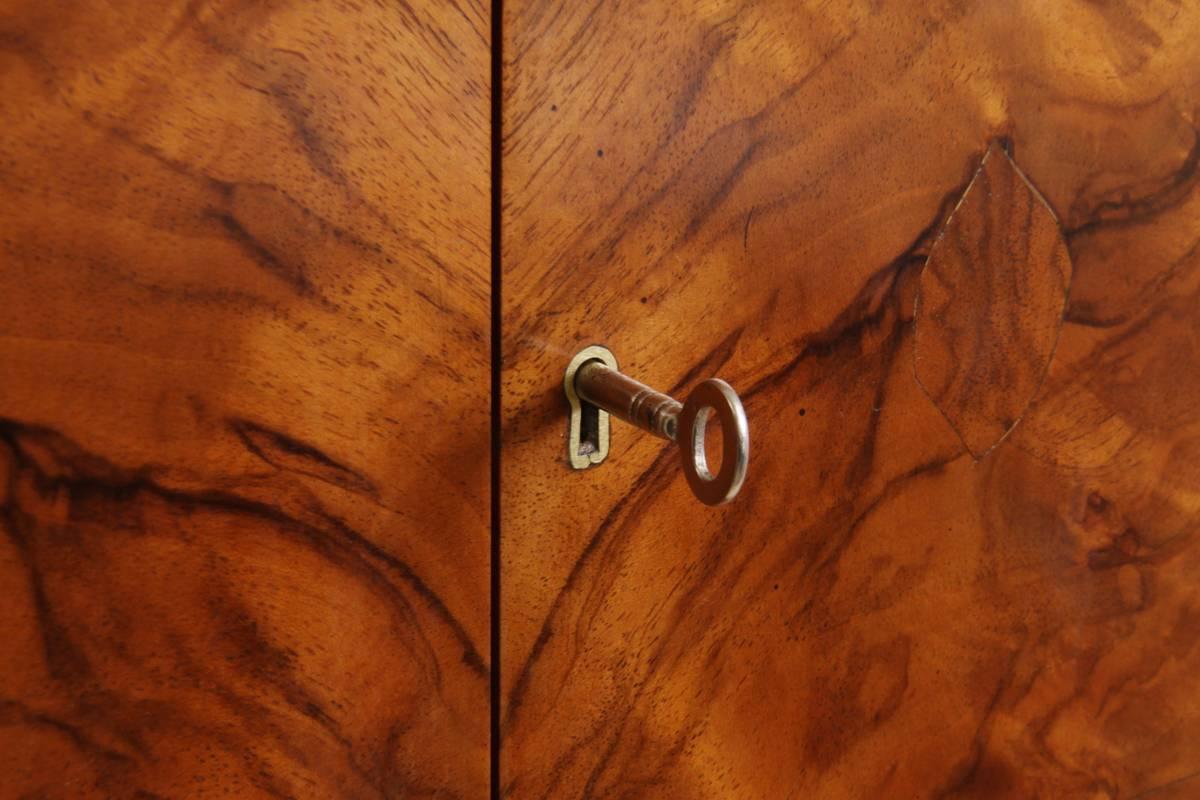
244	265
948	253
751	190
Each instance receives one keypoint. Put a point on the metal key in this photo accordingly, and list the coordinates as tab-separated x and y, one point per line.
595	388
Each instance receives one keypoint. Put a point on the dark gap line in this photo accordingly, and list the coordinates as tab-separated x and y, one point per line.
496	359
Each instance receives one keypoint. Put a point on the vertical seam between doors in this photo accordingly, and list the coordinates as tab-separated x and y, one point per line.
497	142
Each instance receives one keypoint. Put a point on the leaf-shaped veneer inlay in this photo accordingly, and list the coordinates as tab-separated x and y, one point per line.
990	304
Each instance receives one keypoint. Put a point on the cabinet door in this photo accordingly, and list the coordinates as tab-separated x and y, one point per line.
244	265
964	561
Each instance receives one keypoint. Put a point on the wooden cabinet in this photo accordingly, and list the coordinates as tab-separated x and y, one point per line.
264	265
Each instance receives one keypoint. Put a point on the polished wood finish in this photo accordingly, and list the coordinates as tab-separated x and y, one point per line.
751	190
244	399
990	304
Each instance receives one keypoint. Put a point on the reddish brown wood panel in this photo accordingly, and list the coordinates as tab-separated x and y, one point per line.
244	266
750	190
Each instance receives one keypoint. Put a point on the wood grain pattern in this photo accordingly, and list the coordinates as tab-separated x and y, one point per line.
750	189
990	304
245	270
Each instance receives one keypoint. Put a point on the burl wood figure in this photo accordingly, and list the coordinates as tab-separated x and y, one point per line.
239	280
948	253
965	560
990	305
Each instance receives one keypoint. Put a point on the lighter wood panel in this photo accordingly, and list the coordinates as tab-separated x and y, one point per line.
751	190
245	269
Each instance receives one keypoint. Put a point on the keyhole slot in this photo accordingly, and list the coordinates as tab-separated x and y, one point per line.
588	424
589	430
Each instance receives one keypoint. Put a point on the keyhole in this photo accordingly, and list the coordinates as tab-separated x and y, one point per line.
589	429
